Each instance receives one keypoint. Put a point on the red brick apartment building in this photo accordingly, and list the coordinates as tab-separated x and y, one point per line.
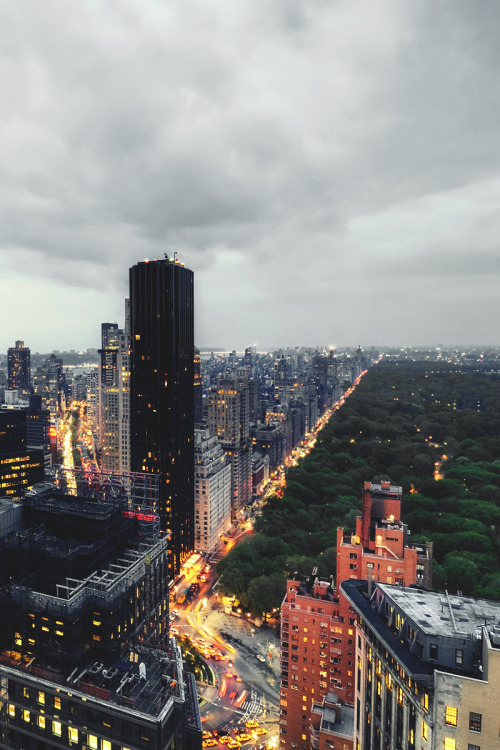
318	624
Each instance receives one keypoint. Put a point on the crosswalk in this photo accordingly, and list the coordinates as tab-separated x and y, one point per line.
252	706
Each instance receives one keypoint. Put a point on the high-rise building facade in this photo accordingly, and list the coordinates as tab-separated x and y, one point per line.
161	391
93	400
198	390
212	491
20	467
308	616
124	394
427	669
228	419
48	382
18	364
109	418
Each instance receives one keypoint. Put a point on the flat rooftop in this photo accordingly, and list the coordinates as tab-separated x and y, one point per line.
383	490
145	679
444	614
330	723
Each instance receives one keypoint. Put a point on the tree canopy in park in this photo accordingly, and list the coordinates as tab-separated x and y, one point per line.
400	420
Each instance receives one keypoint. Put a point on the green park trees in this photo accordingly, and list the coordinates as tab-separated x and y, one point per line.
400	421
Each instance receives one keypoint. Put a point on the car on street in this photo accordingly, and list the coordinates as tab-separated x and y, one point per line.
261	658
233	744
251	723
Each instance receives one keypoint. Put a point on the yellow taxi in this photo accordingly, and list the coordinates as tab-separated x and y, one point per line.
261	730
244	738
251	724
233	744
209	743
225	739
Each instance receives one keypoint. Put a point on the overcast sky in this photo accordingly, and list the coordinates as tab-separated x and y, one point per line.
329	169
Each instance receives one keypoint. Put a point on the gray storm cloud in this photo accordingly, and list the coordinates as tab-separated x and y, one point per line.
328	169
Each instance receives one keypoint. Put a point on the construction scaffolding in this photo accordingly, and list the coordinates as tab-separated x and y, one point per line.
88	570
138	490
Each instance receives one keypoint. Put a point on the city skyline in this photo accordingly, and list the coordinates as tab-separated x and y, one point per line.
328	170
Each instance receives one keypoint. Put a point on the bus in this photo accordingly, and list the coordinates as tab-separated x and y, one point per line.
176	581
181	597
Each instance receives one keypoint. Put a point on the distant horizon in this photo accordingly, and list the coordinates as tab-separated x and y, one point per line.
292	347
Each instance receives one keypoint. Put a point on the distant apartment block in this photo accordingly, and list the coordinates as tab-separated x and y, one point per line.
18	365
228	418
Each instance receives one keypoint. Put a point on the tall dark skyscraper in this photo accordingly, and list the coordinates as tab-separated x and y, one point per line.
162	391
19	366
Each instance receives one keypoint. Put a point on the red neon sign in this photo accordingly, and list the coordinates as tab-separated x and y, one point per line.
141	516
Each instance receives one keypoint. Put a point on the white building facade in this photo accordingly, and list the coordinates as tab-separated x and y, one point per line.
212	491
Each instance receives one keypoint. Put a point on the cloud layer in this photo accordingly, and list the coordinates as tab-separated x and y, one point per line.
329	170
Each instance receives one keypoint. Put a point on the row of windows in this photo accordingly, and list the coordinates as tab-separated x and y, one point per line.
56	727
451	718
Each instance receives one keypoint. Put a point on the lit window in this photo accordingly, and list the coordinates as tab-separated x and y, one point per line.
425	701
41	697
41	722
57	702
450	743
92	741
425	730
450	715
26	715
72	734
56	728
12	709
26	692
106	745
